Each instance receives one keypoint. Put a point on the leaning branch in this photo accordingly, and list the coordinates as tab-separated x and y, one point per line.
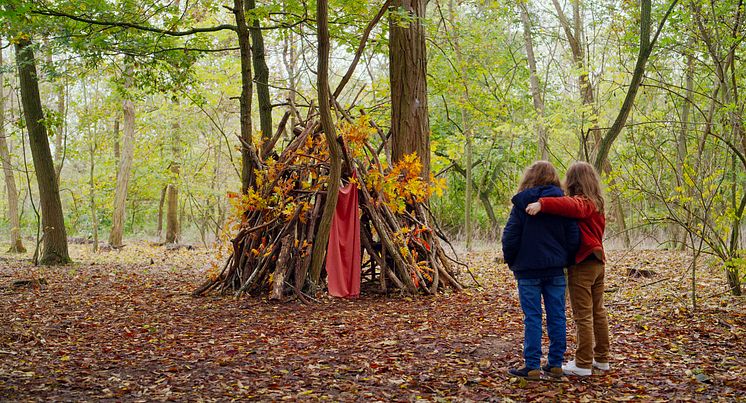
122	24
360	48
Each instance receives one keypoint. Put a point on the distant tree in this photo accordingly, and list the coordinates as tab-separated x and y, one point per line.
16	245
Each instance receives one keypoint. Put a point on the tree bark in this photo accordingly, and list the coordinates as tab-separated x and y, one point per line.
261	74
53	222
410	126
172	215
116	141
125	165
161	202
173	227
247	164
541	130
335	152
16	245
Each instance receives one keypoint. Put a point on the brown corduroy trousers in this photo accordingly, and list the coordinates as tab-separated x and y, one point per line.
586	288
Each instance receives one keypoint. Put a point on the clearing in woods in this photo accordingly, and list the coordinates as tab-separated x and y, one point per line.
122	325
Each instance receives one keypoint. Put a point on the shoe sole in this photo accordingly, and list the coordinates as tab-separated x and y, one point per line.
530	378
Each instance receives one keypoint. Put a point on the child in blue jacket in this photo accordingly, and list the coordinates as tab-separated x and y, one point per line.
537	249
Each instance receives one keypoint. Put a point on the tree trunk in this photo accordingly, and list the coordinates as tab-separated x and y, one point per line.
574	36
541	130
172	215
466	125
91	138
173	227
125	166
290	59
16	245
161	203
53	221
59	143
410	127
92	186
247	165
646	47
116	141
261	75
335	153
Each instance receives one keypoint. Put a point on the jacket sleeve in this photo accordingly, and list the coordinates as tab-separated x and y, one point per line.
572	237
512	237
568	206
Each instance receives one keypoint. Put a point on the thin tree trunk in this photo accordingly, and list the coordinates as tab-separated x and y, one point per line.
541	130
92	164
53	221
466	125
162	201
92	186
16	245
410	127
335	152
247	165
646	47
574	36
261	75
59	143
289	59
172	215
125	166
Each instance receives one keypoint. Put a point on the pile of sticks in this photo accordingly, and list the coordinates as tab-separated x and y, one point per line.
278	220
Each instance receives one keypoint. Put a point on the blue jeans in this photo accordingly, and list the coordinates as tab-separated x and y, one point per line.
530	292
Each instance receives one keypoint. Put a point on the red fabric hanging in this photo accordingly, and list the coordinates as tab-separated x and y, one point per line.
343	251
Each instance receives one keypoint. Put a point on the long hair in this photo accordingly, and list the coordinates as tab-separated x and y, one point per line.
583	180
540	173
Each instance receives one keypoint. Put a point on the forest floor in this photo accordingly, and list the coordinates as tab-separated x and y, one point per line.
121	326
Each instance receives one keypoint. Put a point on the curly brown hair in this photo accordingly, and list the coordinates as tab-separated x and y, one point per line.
583	180
540	173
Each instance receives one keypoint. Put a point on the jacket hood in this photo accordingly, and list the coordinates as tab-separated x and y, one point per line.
524	198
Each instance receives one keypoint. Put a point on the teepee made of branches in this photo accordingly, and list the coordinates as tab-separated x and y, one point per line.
275	223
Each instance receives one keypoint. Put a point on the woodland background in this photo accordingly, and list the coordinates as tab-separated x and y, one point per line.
162	110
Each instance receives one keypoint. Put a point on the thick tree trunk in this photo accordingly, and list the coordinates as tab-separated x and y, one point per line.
125	167
335	152
16	245
247	164
261	75
541	130
161	202
53	221
410	126
173	227
172	215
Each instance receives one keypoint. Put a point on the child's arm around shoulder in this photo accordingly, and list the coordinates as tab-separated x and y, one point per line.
567	206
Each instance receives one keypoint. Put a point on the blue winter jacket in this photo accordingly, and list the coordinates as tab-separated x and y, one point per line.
541	245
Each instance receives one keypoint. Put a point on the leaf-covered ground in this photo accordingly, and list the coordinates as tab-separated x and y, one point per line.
121	326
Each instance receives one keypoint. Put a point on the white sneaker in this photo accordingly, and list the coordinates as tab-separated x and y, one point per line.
603	366
571	369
